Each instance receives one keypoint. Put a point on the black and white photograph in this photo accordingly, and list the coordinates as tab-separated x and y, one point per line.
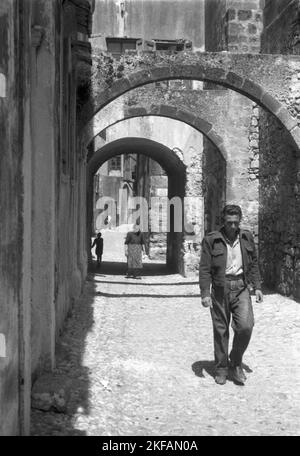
149	221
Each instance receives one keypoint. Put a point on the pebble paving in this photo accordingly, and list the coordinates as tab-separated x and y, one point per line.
140	356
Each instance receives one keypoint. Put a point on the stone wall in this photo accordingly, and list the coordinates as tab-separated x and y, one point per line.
281	33
279	164
215	25
41	198
279	220
11	223
214	186
244	25
233	26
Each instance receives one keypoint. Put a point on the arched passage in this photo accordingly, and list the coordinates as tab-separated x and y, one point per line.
264	80
171	112
268	81
201	164
175	170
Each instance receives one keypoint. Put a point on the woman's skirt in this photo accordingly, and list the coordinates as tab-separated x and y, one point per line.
134	258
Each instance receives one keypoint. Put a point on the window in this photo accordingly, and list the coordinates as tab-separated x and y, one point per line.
172	45
114	164
117	46
164	45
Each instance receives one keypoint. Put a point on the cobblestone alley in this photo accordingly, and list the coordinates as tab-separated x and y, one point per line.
139	358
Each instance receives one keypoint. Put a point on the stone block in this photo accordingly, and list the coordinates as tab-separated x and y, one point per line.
233	39
136	112
234	80
51	392
190	71
102	100
158	73
186	116
168	111
202	125
217	140
244	15
295	133
234	28
271	103
231	14
215	74
285	117
252	29
140	77
233	48
119	87
255	49
253	89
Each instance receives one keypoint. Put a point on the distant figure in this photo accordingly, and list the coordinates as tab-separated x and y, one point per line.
134	247
98	242
108	222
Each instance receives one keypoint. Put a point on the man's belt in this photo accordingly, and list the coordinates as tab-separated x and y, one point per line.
231	277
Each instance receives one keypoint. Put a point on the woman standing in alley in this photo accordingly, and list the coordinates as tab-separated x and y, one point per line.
134	248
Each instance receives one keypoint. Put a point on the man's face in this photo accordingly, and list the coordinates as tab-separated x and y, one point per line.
231	224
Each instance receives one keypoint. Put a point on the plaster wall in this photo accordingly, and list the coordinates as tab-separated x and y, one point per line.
11	224
43	103
150	19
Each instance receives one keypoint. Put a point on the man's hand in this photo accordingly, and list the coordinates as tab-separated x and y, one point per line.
206	302
259	296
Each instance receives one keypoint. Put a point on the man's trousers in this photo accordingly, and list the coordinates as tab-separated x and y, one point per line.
232	300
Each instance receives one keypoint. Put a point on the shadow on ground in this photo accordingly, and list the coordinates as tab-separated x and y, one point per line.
69	364
209	367
120	268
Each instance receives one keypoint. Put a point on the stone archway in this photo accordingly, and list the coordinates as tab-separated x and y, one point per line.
174	168
175	113
269	80
265	79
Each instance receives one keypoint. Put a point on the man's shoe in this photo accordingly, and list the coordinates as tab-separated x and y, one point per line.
238	375
220	379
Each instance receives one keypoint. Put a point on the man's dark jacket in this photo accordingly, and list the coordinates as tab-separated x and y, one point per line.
214	257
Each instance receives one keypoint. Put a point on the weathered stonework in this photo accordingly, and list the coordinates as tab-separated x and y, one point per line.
282	27
279	172
244	25
216	111
279	209
266	79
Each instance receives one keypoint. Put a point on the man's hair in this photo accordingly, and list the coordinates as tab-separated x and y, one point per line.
231	209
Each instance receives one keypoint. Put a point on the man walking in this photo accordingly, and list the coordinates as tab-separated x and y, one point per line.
228	268
98	242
